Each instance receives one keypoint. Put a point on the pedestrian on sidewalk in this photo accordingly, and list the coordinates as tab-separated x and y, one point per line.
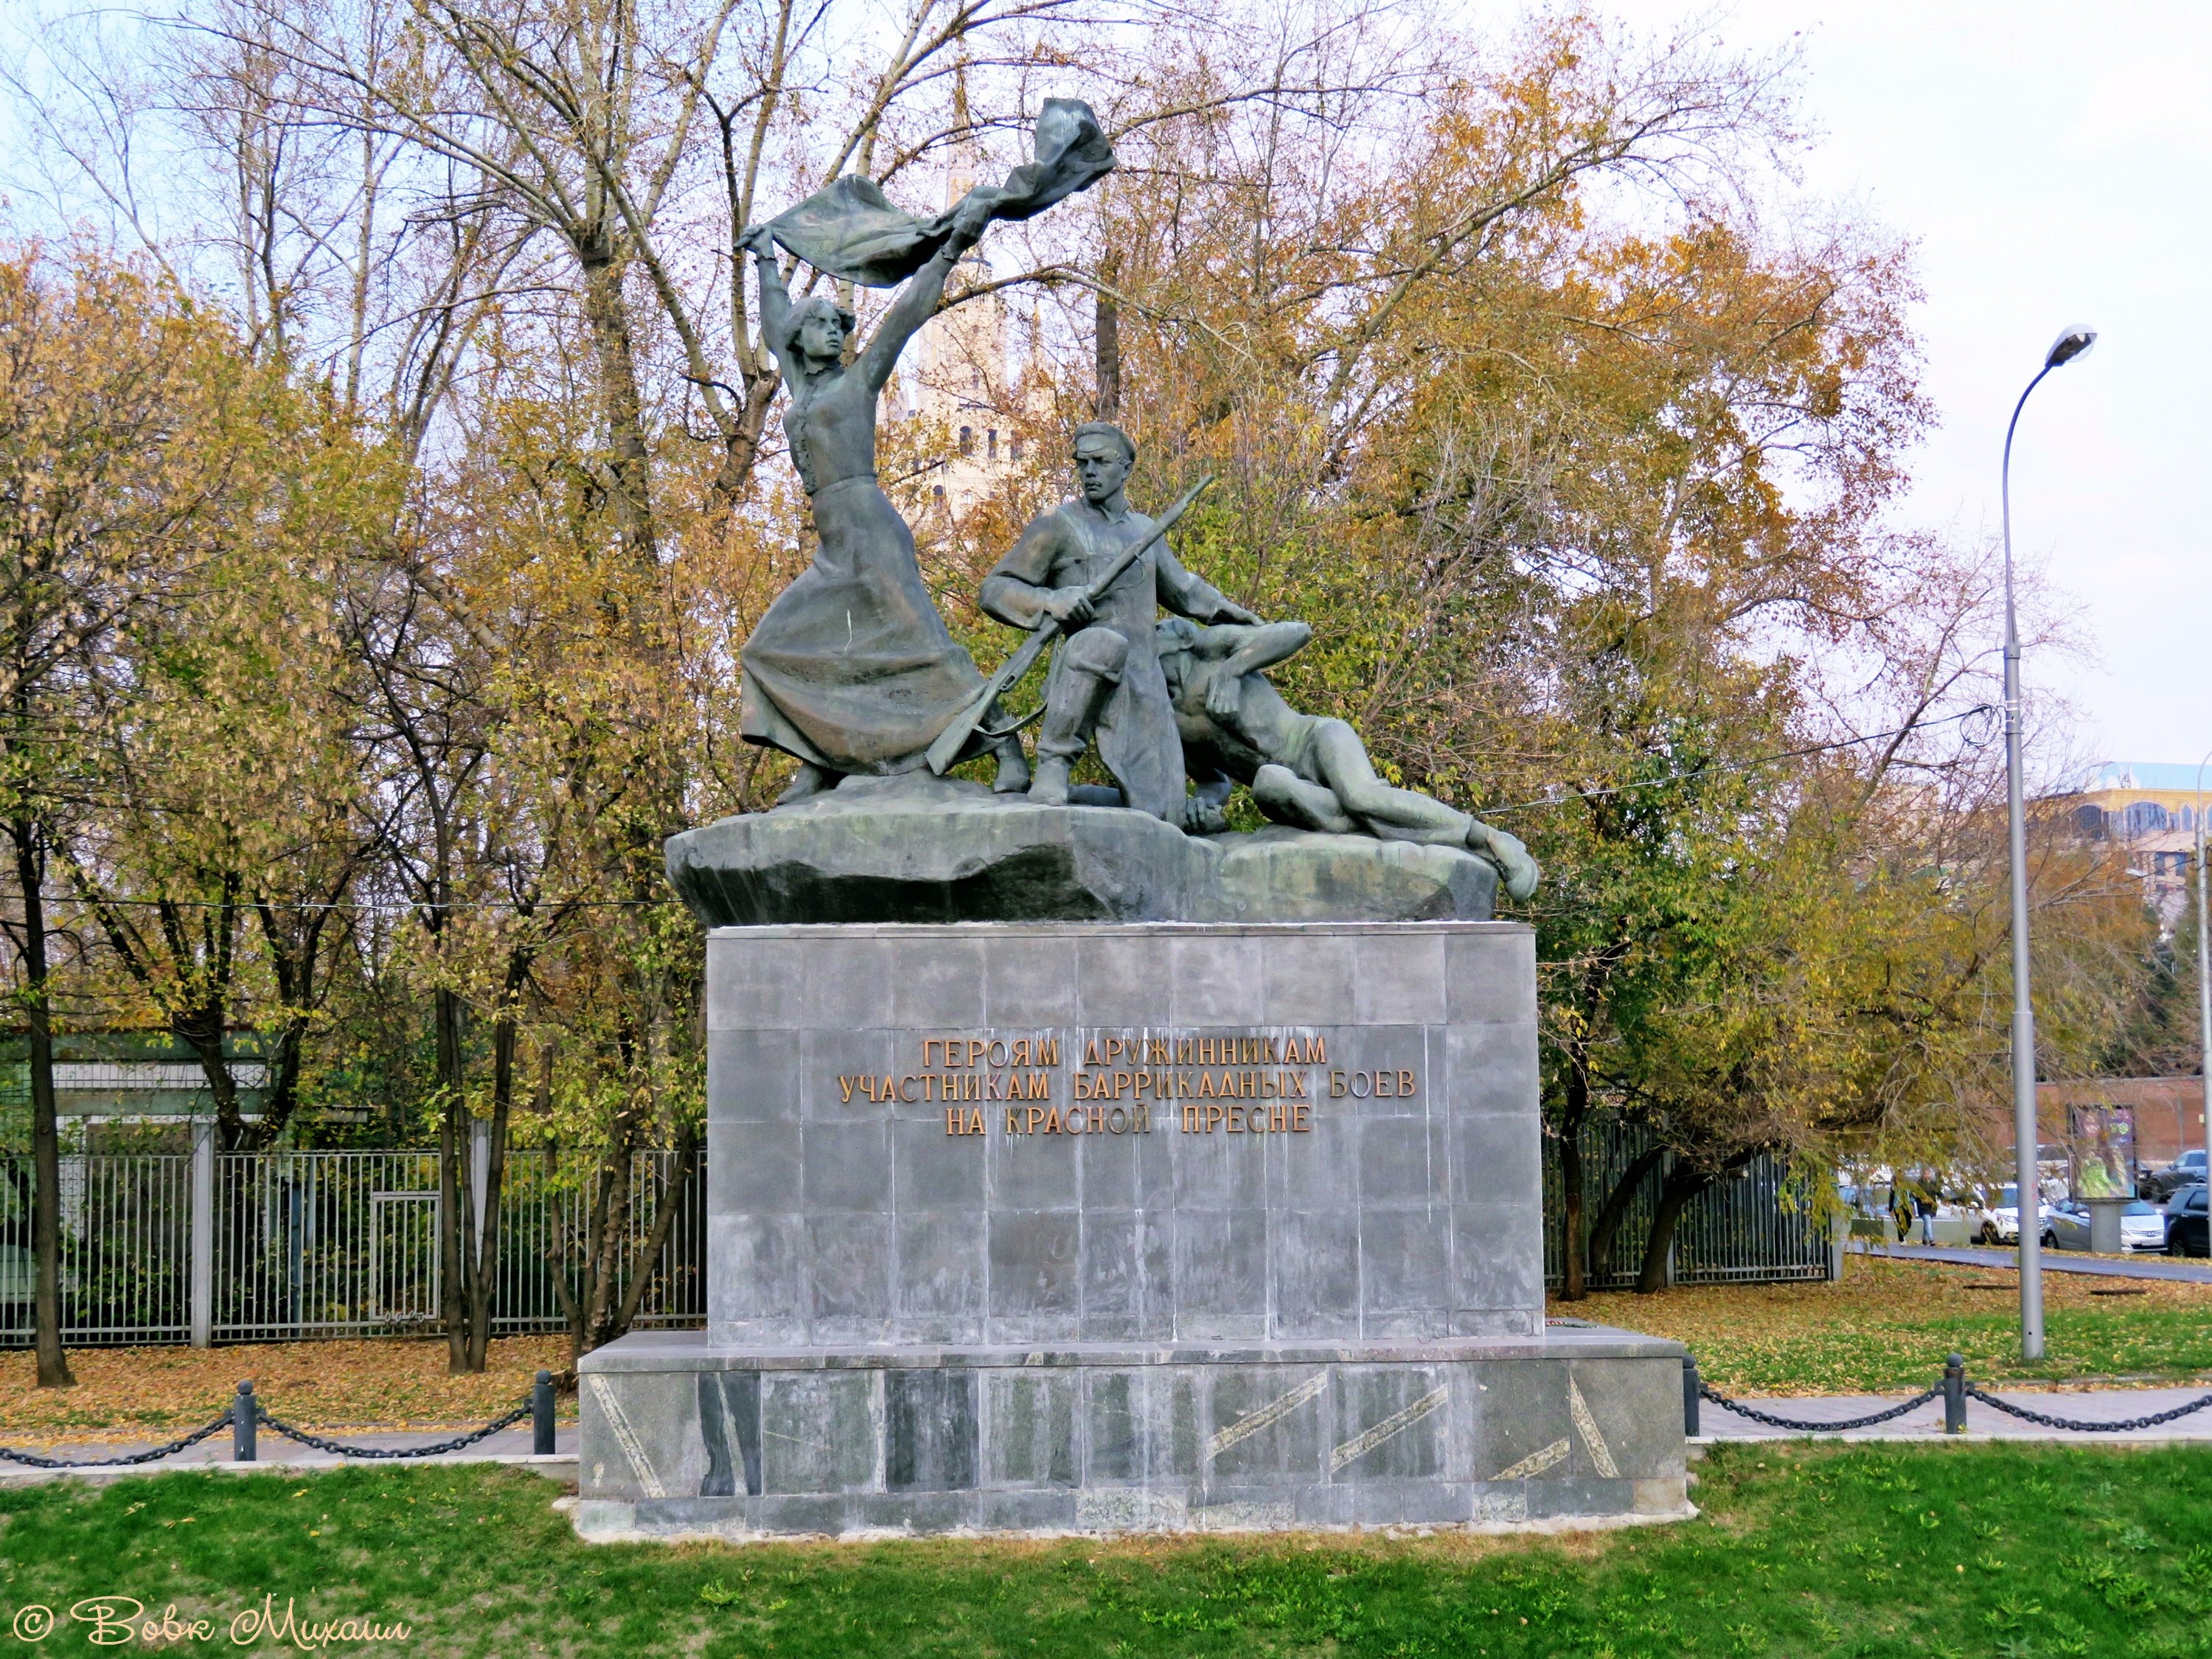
1923	1206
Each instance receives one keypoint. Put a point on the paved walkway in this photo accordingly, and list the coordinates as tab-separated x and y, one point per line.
2174	1268
1982	1422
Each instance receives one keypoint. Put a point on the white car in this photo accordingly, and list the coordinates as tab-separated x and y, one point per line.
2142	1226
1999	1223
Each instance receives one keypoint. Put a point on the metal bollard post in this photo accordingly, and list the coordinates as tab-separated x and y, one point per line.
541	1416
1954	1394
245	1420
1691	1387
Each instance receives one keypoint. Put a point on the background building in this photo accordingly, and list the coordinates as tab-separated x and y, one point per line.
135	1077
2148	810
957	379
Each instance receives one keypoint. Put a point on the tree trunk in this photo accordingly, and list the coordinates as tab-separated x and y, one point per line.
1107	348
1614	1209
46	1134
453	1181
201	1028
1573	1283
483	1274
741	450
1683	1182
581	1302
292	961
206	970
280	1093
663	1223
614	361
595	1316
613	1213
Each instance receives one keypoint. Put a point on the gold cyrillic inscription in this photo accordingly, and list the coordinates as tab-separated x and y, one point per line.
1381	1085
1230	1083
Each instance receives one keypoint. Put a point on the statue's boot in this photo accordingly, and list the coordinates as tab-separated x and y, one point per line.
1048	784
1013	768
813	780
1520	872
1061	736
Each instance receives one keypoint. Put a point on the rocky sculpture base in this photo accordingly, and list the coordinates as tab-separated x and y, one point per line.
919	848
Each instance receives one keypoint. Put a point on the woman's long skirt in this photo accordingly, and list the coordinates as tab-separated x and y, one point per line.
852	668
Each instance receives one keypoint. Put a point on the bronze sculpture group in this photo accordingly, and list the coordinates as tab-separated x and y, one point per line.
851	670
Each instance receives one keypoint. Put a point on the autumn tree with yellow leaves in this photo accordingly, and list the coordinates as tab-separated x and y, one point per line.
1584	450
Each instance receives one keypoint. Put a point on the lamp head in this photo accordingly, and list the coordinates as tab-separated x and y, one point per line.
2073	344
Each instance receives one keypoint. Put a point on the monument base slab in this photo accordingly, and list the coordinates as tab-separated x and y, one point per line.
1062	1227
684	1440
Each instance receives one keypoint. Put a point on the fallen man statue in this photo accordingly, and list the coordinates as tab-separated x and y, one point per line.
1307	770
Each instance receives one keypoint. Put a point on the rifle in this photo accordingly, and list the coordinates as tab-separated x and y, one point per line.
950	741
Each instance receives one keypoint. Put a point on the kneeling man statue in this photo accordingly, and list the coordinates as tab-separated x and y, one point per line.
1304	770
1105	677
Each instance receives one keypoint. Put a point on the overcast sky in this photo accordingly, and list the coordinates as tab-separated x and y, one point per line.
2050	160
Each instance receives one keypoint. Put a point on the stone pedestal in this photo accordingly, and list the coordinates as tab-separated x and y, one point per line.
1103	1227
2105	1237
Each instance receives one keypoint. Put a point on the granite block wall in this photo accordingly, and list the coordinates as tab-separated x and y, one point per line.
680	1440
1109	1132
1116	1227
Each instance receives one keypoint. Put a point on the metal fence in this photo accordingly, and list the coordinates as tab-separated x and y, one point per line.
1745	1229
207	1247
126	1223
211	1247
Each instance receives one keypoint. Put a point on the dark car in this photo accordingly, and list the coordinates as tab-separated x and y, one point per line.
2185	1171
2185	1223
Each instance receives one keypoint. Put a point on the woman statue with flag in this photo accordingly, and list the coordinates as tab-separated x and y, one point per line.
852	670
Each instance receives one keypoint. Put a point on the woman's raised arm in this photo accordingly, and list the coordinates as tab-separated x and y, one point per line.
917	301
774	298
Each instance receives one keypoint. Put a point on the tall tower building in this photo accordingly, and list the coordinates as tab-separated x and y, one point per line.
960	380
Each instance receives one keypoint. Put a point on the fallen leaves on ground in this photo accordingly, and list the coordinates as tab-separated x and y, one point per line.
1887	1325
389	1383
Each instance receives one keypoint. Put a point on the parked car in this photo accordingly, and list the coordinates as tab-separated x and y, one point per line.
2187	1170
2185	1223
1998	1221
2142	1226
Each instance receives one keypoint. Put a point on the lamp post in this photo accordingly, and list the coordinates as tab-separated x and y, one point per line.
2205	989
2027	1176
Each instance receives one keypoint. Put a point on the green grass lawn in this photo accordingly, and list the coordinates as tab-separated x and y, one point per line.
1888	1324
1826	1550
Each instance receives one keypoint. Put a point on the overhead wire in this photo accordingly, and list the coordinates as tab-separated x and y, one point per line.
1563	798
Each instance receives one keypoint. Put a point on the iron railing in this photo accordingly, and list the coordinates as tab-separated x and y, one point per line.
1745	1229
294	1245
125	1221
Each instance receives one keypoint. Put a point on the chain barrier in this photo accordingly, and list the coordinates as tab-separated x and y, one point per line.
1742	1410
539	1405
2121	1426
1954	1390
33	1460
348	1448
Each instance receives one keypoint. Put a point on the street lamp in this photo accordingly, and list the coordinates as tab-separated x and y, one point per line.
2204	990
2029	1187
